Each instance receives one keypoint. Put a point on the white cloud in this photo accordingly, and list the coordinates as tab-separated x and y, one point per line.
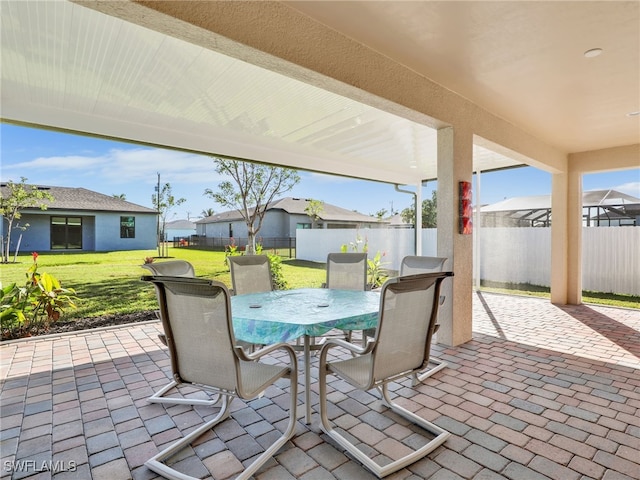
630	188
54	163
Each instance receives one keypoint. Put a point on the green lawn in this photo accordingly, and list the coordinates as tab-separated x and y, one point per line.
109	283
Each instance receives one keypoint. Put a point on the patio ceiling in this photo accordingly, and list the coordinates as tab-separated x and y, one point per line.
69	67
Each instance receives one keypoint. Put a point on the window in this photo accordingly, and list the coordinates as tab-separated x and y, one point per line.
66	233
303	226
127	227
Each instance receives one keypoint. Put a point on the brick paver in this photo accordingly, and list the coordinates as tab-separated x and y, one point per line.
540	392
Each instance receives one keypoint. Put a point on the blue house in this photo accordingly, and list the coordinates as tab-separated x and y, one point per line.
80	219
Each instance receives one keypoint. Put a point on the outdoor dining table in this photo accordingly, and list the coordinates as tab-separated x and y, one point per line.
286	315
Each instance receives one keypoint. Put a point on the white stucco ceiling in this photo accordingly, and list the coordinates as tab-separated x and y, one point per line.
69	67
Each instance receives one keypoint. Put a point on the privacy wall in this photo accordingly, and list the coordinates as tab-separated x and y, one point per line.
610	255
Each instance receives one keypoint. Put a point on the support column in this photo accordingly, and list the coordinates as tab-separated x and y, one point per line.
566	238
574	237
418	225
559	238
455	164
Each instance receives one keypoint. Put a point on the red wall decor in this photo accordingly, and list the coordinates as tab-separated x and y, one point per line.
466	209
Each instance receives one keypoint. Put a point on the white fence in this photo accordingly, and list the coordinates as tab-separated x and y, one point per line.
610	255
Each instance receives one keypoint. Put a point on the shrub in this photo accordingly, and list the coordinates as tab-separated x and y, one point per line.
33	307
279	282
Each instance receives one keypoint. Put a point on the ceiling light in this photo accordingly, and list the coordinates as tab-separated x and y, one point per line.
594	52
633	114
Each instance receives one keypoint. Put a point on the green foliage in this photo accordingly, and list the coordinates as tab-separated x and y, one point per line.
376	273
251	188
20	196
429	212
279	282
33	307
314	209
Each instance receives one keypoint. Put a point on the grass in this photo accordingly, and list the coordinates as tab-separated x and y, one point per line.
109	283
599	298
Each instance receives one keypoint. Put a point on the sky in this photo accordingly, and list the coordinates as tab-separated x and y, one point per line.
52	158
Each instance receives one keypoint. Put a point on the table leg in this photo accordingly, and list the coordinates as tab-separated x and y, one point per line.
307	379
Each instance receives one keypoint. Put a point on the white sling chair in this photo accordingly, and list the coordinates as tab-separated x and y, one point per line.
408	313
250	274
196	315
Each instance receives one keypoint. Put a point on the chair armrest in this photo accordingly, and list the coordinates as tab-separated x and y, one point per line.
250	357
338	342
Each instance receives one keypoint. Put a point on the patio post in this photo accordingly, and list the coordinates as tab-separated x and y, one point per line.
455	164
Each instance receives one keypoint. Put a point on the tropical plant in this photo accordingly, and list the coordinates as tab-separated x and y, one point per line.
376	273
207	212
279	282
33	307
18	197
252	189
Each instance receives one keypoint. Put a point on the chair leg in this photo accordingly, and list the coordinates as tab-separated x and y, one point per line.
381	471
159	397
155	463
421	377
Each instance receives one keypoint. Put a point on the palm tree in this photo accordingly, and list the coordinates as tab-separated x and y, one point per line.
207	212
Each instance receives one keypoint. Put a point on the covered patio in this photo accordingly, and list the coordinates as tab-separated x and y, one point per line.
397	92
541	391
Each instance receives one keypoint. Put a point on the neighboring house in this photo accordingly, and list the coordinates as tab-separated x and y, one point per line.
80	219
179	229
601	208
282	218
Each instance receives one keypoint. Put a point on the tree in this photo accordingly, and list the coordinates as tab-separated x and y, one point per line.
252	188
380	214
314	209
164	201
19	197
208	212
120	196
429	212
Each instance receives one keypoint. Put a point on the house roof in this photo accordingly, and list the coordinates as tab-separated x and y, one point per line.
296	206
591	198
68	198
180	225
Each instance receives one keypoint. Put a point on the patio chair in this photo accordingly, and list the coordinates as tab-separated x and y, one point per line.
408	313
250	274
346	271
196	315
175	268
411	265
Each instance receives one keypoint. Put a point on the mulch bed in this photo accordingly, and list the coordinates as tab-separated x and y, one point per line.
83	324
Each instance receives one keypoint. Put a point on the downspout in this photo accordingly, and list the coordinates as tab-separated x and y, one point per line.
415	209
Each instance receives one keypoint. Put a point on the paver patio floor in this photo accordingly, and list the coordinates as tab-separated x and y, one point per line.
541	391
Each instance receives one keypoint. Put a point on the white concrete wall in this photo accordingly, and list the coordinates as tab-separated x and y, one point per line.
610	260
315	245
